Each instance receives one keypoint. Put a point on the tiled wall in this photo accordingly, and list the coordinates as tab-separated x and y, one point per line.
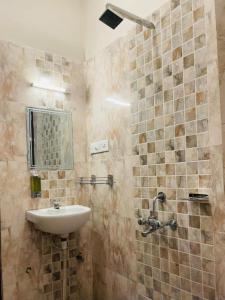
170	126
113	229
62	185
220	217
22	246
52	267
58	185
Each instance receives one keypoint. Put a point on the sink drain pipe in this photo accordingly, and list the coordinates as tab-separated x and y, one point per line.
64	245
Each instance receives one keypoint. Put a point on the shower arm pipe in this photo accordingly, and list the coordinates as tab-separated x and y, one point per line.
161	197
154	205
125	14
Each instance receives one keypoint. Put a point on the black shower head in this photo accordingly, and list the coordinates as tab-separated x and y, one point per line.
113	16
110	19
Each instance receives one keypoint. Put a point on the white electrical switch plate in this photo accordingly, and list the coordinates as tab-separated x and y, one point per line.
99	147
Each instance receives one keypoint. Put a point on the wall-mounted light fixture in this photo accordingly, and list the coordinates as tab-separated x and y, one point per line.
49	88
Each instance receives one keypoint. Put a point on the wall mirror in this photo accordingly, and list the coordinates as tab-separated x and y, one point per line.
49	139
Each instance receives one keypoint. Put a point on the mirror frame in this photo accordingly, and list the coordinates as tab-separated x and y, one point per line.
30	142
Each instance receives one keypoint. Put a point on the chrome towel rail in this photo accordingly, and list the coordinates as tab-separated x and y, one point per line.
93	180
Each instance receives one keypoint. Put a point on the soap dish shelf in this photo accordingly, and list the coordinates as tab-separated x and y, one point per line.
201	198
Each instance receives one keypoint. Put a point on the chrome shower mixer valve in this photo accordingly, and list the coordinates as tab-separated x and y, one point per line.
151	223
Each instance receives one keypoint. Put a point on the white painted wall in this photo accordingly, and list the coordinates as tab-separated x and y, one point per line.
51	25
98	35
67	27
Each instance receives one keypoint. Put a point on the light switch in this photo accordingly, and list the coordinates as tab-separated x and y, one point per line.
99	147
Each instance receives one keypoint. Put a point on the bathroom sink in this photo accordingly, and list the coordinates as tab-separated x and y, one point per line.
60	221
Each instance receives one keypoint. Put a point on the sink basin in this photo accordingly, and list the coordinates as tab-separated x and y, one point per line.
60	221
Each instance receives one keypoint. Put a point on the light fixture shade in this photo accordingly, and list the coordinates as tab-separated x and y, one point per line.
50	88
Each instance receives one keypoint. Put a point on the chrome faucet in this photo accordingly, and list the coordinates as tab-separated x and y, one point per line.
151	223
161	197
56	203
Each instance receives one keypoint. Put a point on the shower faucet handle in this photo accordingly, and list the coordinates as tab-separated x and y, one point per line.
142	221
150	221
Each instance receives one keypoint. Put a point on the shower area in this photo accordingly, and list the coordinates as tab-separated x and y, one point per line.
169	141
157	95
171	79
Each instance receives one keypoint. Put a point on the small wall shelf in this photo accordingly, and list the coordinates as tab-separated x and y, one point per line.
201	198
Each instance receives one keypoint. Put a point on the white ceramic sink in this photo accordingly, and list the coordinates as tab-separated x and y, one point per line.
60	221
